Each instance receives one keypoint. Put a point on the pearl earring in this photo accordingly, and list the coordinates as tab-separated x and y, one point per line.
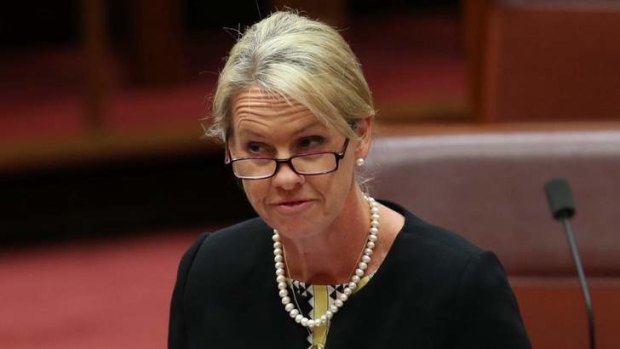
359	162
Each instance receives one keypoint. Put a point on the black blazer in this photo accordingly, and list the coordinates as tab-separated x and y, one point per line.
434	290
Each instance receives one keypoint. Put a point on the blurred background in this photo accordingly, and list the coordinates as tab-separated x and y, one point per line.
105	178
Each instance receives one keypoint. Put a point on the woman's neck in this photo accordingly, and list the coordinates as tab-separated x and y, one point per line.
331	256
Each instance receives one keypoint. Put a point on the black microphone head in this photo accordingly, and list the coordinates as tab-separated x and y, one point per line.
560	198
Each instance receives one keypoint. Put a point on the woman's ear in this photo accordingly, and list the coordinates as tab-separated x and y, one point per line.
364	131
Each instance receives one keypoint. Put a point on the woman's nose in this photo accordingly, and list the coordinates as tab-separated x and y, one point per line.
286	178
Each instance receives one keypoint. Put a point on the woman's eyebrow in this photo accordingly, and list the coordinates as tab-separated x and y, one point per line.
307	127
250	132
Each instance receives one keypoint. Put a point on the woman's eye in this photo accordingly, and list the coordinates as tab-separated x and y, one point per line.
309	143
254	148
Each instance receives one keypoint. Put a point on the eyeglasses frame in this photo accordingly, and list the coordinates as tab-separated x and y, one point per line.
228	160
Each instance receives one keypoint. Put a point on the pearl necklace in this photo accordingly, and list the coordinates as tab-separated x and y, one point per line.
357	275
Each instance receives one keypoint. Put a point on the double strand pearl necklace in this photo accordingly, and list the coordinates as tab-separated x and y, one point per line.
357	275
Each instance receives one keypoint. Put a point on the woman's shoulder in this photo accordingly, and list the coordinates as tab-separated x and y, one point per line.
236	246
239	236
246	231
419	238
443	261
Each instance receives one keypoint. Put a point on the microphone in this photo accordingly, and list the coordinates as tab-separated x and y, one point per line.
563	209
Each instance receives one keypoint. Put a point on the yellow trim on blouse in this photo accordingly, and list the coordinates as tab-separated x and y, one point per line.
321	304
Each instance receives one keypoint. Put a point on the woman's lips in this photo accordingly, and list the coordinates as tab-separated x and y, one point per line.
291	206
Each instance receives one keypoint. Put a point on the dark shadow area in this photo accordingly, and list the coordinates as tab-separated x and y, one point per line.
142	195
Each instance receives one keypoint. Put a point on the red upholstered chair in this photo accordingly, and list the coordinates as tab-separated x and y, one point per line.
489	188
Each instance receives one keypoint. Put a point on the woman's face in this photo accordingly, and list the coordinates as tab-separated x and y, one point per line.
296	205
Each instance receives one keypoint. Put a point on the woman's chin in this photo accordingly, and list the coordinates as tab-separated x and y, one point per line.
291	229
297	228
291	218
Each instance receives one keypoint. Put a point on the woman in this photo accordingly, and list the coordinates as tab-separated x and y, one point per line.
324	264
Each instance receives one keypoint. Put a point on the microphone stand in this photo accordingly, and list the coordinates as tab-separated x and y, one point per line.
585	290
562	207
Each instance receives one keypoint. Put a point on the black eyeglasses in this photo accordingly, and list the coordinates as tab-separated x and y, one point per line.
304	164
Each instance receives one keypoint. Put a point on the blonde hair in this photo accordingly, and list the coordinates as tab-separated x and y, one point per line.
296	58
